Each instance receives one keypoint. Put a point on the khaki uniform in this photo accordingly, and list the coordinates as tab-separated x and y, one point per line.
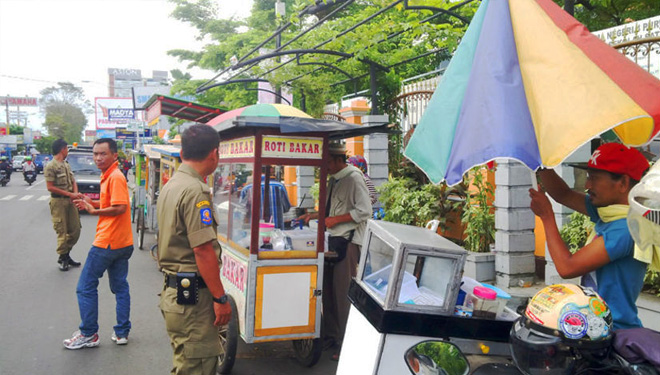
65	216
186	220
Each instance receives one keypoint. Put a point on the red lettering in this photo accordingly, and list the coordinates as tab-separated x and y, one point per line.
316	149
266	146
298	147
304	148
251	146
292	148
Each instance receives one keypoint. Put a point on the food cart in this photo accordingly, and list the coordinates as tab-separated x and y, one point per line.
159	160
274	287
404	298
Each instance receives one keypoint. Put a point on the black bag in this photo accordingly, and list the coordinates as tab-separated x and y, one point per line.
339	245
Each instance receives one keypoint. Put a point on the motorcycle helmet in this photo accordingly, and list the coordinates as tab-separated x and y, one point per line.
3	158
644	213
564	327
28	158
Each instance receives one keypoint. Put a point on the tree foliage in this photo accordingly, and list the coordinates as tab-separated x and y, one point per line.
16	129
601	14
64	107
232	39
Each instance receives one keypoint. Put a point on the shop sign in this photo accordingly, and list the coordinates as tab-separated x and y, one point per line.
18	101
237	148
153	113
124	133
120	113
292	147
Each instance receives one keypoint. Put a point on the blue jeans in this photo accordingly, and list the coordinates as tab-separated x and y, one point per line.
116	263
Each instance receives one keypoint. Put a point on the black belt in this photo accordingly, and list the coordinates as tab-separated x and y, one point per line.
170	281
53	195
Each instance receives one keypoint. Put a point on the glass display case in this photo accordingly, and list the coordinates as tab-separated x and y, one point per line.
408	268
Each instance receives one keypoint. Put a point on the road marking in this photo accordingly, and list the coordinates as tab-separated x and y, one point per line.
36	184
26	197
43	197
9	197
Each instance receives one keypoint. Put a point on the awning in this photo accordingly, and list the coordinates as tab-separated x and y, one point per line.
159	105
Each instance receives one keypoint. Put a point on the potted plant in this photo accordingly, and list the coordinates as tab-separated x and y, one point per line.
479	220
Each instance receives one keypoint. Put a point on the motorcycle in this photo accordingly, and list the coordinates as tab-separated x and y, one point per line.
446	358
30	177
4	177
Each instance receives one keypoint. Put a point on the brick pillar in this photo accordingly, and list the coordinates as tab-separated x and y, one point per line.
514	225
305	181
562	213
375	150
353	115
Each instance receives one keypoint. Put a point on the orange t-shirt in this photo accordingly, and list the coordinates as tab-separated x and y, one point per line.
114	231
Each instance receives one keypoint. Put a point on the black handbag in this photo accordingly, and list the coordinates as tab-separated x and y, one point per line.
339	245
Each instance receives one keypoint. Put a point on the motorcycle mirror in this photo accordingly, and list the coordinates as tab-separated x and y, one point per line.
436	357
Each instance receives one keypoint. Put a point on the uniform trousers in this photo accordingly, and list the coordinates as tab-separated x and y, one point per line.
66	222
193	336
336	305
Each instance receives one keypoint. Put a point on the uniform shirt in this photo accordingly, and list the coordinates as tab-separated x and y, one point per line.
620	281
349	195
185	221
59	173
114	231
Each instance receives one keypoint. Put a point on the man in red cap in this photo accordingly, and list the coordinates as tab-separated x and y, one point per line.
606	262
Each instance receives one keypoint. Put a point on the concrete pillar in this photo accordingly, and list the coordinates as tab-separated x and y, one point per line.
305	181
514	225
353	115
375	150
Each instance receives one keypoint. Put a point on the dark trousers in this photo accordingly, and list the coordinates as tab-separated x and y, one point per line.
336	280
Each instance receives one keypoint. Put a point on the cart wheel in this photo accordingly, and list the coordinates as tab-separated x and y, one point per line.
229	340
140	229
308	351
133	210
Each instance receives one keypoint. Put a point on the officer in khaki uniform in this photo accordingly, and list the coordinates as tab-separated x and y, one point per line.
193	298
63	190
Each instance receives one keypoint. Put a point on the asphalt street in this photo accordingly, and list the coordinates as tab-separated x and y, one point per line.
39	309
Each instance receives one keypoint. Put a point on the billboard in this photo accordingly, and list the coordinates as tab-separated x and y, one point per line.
19	101
106	134
110	112
124	134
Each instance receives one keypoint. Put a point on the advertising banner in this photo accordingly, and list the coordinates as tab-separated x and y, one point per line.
19	101
124	134
103	133
105	106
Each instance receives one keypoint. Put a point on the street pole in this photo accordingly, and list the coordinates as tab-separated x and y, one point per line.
280	11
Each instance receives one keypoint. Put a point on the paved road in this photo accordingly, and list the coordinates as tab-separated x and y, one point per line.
38	306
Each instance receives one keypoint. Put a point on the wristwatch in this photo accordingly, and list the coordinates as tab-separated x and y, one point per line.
222	299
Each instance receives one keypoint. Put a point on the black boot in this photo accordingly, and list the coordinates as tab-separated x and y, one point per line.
63	262
72	262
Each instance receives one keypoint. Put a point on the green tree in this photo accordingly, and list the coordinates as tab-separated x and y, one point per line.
64	107
234	38
15	129
44	144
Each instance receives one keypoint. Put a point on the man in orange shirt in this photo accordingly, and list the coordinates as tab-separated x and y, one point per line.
111	249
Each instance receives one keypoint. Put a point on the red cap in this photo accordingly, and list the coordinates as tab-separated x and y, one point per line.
619	159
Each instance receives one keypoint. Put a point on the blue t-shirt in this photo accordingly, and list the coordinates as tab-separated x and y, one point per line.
620	281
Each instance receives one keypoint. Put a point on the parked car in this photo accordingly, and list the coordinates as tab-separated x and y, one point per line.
17	163
40	161
88	176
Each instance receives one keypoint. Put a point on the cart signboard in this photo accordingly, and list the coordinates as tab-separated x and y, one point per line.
273	146
234	276
292	147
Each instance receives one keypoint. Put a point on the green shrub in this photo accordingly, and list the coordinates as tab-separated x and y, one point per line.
478	215
575	232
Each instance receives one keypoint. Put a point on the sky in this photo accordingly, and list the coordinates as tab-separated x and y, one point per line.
43	42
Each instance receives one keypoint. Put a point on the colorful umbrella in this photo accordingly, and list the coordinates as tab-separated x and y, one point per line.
288	119
529	82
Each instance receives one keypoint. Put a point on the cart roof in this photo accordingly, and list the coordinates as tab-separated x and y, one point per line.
169	150
299	125
170	106
151	153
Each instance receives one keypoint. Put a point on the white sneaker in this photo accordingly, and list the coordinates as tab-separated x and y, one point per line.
119	340
79	341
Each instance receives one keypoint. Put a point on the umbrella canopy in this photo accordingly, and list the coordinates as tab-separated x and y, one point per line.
529	82
288	119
